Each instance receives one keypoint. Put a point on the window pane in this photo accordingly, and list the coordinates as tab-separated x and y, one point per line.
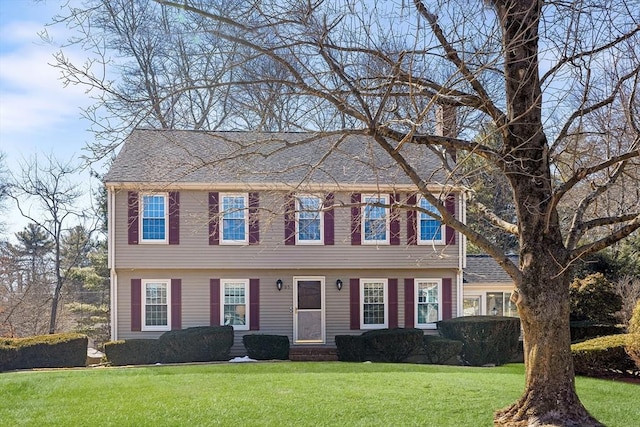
156	304
430	229
375	220
153	217
373	303
233	218
235	305
494	303
309	218
427	304
309	294
471	306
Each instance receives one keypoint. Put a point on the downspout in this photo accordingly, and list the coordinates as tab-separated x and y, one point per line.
462	254
111	260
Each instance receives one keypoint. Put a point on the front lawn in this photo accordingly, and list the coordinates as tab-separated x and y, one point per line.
285	394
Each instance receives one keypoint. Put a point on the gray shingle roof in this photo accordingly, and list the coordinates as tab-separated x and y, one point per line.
484	269
186	156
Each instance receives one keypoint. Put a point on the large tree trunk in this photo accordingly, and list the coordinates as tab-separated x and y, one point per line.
543	289
543	303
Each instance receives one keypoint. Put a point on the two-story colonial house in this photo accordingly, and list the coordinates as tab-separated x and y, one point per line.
276	233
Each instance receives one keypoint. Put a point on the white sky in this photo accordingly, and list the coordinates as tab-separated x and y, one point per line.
38	116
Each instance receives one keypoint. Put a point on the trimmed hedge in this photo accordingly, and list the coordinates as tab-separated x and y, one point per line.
602	356
487	340
585	329
391	345
438	350
266	347
43	351
380	345
132	352
198	344
350	348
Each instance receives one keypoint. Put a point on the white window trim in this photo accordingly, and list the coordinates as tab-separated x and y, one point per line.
415	299
385	282
384	198
321	215
244	241
245	282
166	327
422	241
141	218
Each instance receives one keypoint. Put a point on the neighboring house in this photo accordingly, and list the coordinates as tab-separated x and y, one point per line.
487	287
270	234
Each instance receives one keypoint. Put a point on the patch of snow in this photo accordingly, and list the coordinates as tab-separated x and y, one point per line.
242	359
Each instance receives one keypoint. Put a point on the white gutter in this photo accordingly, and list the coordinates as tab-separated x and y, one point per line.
111	260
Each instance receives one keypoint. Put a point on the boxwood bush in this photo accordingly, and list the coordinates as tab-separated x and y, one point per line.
602	356
380	345
438	350
132	352
391	345
43	351
586	329
486	340
266	347
197	344
350	348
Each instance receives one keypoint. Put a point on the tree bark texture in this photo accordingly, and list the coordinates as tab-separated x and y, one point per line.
543	290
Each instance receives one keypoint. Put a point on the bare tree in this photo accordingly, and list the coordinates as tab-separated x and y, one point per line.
47	195
556	81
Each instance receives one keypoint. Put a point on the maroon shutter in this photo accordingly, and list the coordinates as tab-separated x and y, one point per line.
394	226
409	304
214	220
290	220
174	218
393	303
136	304
354	303
412	224
254	304
133	217
254	222
447	300
328	220
176	304
214	302
356	234
450	205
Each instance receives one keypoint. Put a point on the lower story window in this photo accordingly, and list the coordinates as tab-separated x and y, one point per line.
373	297
499	304
428	303
235	302
156	305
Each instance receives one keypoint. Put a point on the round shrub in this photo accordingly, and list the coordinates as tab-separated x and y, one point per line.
486	340
602	356
266	347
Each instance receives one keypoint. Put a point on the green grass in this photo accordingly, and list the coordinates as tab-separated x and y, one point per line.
285	394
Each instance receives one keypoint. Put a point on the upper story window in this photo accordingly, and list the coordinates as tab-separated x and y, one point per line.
154	218
375	219
234	218
428	302
309	221
235	301
430	230
374	304
155	305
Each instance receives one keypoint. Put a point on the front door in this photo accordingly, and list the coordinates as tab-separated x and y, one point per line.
308	309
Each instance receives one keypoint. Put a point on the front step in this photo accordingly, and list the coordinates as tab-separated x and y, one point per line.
313	354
